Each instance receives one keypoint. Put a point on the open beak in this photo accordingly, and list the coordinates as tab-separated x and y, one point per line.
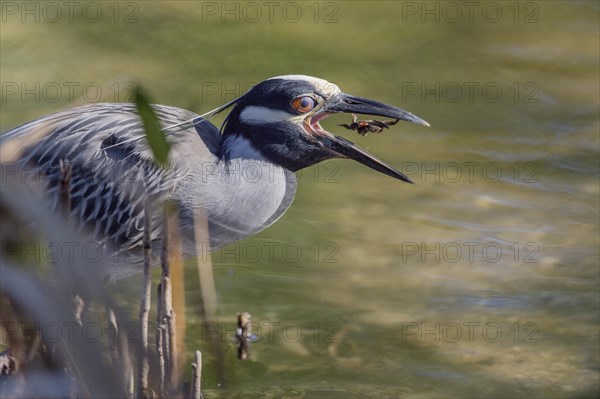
346	149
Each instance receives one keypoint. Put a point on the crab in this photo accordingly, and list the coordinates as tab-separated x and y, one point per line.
369	126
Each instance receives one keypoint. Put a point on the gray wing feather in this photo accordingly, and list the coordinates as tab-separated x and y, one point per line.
113	168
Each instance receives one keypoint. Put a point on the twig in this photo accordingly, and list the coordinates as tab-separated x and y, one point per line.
144	366
160	340
162	337
242	335
197	376
173	332
161	361
173	372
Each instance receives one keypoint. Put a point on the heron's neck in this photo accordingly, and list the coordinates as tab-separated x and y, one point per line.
240	193
239	147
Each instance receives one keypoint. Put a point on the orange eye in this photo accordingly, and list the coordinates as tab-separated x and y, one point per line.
303	104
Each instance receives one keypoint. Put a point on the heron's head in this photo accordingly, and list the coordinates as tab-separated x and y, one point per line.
280	117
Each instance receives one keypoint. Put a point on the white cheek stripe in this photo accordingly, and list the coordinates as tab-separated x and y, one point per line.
260	115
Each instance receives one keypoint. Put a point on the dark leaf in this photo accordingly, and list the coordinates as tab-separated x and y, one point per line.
156	137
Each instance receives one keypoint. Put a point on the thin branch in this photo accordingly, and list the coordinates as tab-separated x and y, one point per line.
197	376
242	335
144	366
160	338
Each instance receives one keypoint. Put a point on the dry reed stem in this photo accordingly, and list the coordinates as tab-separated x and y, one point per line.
177	325
205	269
207	287
172	303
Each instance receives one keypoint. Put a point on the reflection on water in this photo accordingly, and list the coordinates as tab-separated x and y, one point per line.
479	281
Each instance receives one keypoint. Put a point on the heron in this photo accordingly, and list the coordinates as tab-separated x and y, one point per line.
241	175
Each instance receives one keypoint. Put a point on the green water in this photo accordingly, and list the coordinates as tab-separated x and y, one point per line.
479	281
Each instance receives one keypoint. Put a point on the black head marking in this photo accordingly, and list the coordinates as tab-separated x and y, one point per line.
282	142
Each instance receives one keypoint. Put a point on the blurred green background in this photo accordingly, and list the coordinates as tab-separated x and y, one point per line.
479	281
